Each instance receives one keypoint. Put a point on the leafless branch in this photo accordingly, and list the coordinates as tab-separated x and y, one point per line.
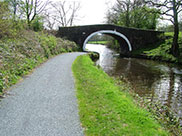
31	8
66	13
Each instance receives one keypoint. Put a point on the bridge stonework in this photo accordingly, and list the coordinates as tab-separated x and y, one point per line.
138	38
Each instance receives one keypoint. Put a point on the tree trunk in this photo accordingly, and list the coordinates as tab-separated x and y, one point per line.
28	22
127	16
175	45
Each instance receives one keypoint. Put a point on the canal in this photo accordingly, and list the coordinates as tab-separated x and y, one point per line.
157	81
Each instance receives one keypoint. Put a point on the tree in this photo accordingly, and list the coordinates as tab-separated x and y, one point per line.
166	28
13	5
123	8
172	9
37	23
5	24
65	12
50	22
132	14
31	8
180	25
111	17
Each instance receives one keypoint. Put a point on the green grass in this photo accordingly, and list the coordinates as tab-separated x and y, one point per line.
98	42
162	51
105	109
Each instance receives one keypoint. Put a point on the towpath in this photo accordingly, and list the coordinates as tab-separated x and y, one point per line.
44	103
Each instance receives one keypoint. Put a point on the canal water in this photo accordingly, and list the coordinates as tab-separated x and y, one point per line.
155	80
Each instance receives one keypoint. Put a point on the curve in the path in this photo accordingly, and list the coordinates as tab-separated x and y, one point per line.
44	104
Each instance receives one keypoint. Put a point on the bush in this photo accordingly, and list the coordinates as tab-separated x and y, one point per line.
113	44
37	24
9	26
18	56
54	46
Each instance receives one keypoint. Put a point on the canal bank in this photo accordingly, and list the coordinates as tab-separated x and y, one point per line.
161	51
155	82
107	109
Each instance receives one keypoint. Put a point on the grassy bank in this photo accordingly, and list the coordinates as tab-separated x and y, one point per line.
161	51
20	54
98	42
105	108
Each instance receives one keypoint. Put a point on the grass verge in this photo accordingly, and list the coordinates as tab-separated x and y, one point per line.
105	109
97	42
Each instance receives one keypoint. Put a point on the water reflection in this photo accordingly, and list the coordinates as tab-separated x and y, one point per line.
159	81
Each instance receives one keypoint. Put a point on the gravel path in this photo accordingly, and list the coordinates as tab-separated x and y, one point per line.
44	104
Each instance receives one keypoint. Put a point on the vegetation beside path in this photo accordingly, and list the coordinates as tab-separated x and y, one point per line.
98	42
105	108
161	51
20	54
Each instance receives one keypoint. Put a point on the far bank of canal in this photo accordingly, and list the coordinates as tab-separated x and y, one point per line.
154	80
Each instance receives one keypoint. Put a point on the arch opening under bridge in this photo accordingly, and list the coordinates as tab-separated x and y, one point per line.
107	32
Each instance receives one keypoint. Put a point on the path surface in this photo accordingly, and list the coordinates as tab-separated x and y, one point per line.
44	104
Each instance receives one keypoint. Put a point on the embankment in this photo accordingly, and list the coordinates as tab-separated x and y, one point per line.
107	109
18	56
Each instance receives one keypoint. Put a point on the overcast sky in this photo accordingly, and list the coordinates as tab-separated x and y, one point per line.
92	11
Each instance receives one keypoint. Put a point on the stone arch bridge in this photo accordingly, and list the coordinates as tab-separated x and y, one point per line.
129	38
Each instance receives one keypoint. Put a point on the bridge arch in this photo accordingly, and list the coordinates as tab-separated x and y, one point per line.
107	32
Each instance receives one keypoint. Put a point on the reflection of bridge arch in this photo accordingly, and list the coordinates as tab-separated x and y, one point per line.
107	32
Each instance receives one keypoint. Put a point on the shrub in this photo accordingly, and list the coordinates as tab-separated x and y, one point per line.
20	55
37	24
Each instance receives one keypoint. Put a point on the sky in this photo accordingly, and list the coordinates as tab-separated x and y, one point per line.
92	11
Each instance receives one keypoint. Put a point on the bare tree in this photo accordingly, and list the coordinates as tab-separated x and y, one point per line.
50	21
31	8
126	6
65	12
172	9
111	17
